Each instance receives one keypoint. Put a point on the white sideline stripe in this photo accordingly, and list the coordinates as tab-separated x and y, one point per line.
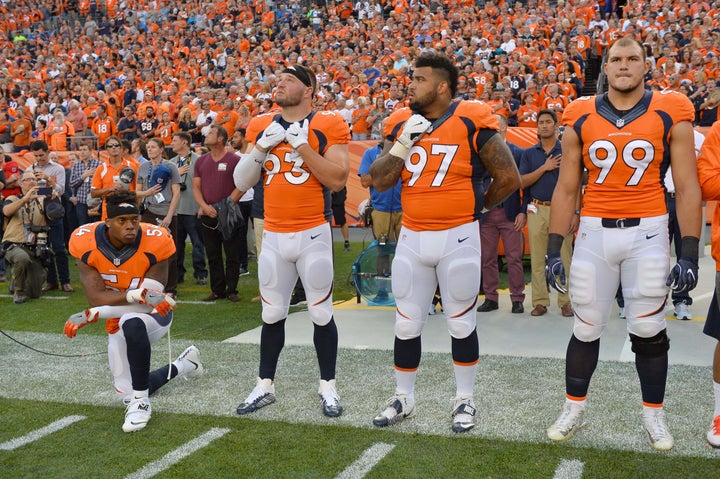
41	297
569	469
173	457
366	461
40	433
185	301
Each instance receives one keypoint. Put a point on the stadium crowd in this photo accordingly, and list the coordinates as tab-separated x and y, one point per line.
90	68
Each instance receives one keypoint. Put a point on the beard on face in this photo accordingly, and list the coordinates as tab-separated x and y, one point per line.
421	102
285	100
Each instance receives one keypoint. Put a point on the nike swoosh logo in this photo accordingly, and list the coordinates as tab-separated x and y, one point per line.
651	236
460	240
313	237
137	423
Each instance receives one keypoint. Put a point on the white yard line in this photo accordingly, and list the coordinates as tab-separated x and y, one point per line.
173	457
366	461
40	433
569	469
41	297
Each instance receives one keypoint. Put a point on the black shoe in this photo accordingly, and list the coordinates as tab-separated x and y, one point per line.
347	246
517	307
298	298
202	280
488	305
244	271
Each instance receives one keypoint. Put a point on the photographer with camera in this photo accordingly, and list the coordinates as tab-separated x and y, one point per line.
25	242
51	175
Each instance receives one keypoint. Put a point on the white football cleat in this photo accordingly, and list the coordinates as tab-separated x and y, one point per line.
192	368
713	435
463	415
398	408
570	421
137	414
329	398
658	434
262	395
682	311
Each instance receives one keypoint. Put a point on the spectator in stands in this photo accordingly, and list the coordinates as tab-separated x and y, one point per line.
127	126
20	130
58	131
360	126
147	124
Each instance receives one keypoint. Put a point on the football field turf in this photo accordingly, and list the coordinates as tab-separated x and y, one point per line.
194	431
59	417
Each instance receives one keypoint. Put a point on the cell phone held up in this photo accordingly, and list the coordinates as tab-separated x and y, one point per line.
43	189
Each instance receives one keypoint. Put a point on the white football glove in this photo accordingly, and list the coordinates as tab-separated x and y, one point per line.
273	135
297	134
413	129
161	302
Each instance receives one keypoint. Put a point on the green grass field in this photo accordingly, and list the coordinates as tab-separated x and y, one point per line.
194	431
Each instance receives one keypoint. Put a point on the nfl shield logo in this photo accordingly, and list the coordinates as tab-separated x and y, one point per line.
620	122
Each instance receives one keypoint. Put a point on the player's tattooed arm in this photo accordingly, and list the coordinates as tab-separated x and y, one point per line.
386	169
499	162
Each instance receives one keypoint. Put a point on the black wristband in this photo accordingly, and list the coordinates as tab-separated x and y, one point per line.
690	247
555	242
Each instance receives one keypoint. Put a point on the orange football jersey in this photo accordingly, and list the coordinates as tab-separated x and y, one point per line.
626	157
442	179
294	199
121	269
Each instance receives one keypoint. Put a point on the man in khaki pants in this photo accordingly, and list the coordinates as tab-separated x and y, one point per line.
539	168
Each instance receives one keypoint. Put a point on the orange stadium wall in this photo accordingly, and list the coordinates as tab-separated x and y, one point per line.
522	137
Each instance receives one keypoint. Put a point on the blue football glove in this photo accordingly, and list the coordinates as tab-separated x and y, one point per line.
555	272
683	276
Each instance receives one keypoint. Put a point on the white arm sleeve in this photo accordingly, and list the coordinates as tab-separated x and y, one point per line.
107	312
247	171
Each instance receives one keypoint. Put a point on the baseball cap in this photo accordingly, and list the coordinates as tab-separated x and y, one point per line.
161	176
126	175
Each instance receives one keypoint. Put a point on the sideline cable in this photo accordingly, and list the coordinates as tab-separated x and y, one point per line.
51	354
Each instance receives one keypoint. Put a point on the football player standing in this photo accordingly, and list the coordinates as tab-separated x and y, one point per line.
709	174
626	139
441	150
302	156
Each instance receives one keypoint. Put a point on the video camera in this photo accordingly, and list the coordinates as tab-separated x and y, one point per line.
42	250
